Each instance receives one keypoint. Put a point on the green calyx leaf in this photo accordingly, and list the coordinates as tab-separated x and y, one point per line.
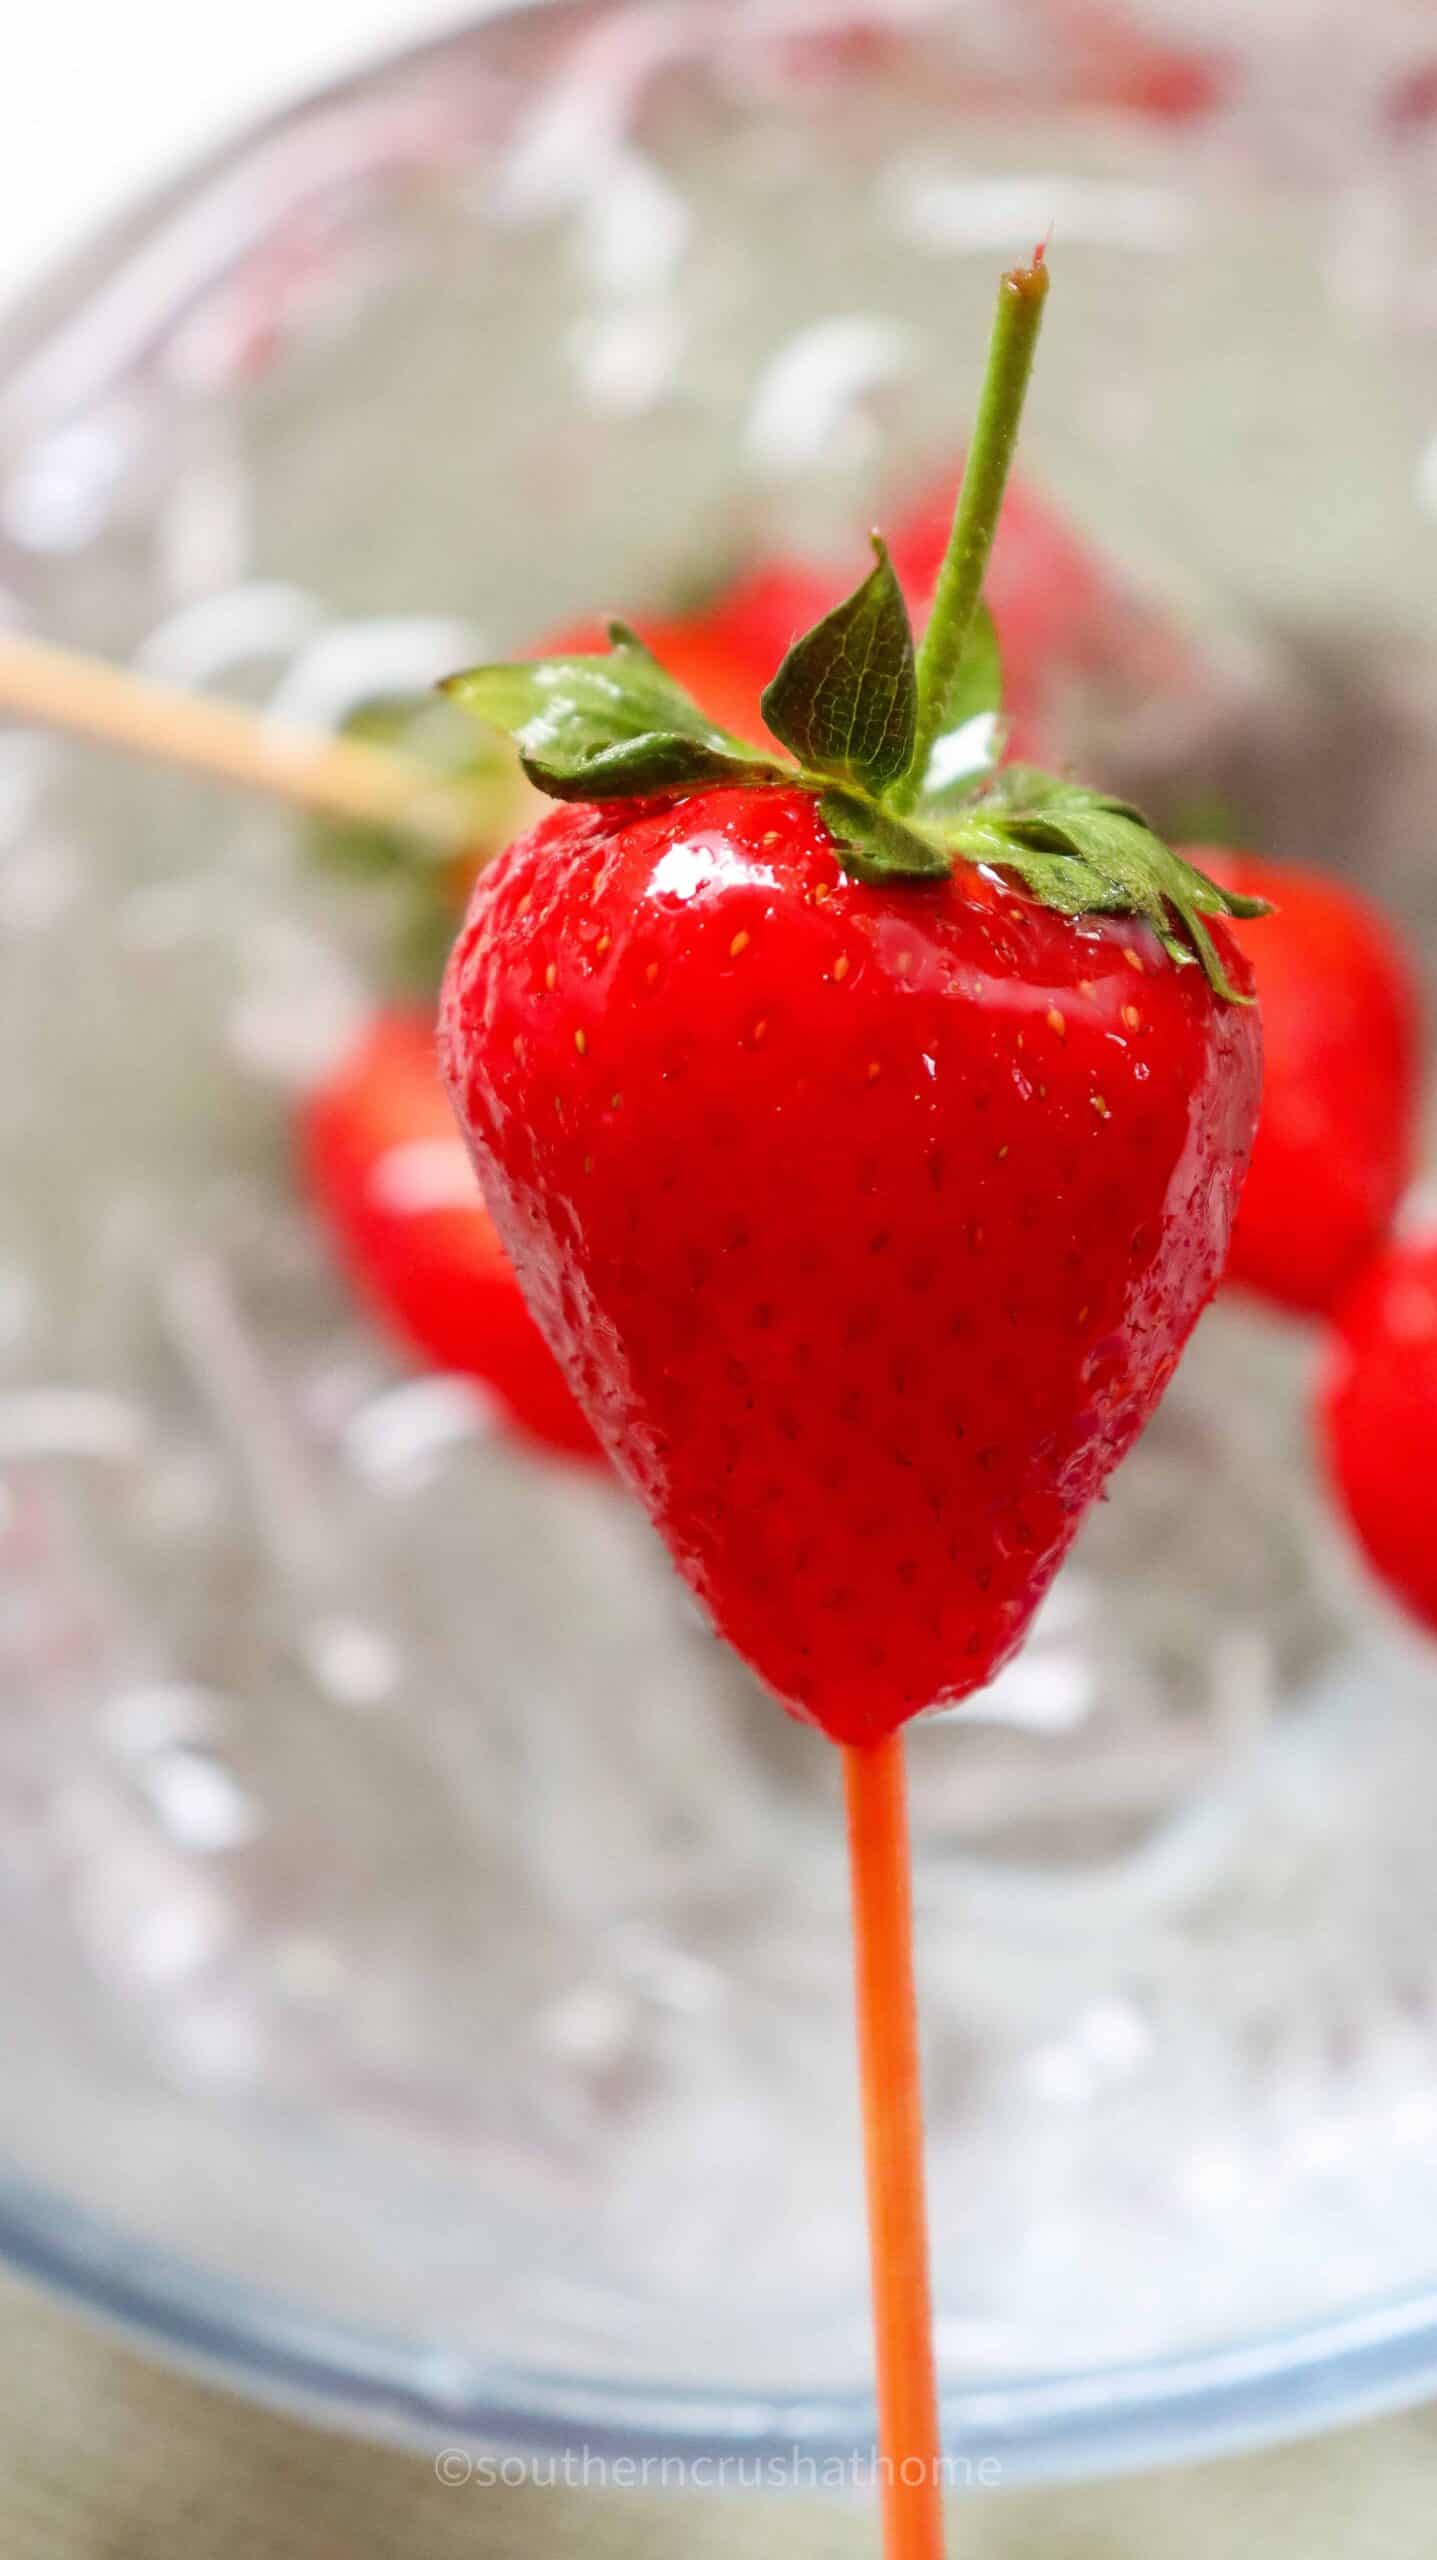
877	846
613	726
845	699
1083	853
618	726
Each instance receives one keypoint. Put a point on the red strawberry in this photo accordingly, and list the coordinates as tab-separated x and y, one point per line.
863	1135
1378	1417
867	1223
1109	57
1337	1140
386	1172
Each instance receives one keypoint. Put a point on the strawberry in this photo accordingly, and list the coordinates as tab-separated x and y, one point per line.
1377	1417
866	1130
387	1174
1112	60
1337	1140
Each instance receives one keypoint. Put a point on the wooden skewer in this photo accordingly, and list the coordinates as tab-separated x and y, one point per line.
335	777
910	2469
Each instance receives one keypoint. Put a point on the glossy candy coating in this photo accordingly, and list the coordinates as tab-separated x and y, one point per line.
867	1224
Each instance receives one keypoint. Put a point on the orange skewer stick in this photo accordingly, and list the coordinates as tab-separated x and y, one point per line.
908	2432
338	777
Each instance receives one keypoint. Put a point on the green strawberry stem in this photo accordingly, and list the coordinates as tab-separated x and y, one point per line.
1022	293
901	748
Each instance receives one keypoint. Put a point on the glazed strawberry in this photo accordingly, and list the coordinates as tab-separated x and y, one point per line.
1337	1140
864	1132
867	1222
387	1174
1378	1417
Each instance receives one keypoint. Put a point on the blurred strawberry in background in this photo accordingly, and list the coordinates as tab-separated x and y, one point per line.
1114	61
385	1168
1377	1418
1337	1139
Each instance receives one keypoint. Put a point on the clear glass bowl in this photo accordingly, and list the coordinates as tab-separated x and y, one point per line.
423	1978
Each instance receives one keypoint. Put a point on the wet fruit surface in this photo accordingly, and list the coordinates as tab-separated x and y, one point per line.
868	1223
